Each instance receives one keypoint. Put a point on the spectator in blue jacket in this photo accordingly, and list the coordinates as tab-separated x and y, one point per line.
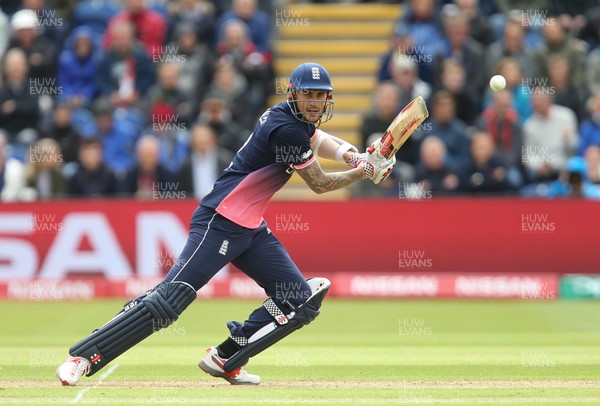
94	14
444	124
589	130
77	68
258	22
118	135
424	24
402	44
573	182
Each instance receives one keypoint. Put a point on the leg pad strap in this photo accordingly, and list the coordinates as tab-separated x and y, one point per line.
274	332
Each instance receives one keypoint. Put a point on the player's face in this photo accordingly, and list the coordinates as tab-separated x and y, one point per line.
311	103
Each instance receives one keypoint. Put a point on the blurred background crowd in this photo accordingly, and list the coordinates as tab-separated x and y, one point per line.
112	98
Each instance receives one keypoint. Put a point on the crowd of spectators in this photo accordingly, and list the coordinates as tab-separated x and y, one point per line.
539	137
127	97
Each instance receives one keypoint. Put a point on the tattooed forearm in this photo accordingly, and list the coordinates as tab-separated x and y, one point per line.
321	182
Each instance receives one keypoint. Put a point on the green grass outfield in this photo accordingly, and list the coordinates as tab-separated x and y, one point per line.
357	352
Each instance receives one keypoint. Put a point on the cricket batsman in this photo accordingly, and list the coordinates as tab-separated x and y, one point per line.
228	226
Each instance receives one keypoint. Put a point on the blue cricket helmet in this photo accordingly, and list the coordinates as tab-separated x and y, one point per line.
311	76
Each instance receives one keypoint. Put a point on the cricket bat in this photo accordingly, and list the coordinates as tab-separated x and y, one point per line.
405	123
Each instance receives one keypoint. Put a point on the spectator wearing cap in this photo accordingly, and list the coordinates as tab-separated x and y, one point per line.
149	27
403	45
52	24
41	52
77	68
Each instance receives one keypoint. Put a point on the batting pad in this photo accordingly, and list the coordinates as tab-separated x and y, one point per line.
138	320
283	325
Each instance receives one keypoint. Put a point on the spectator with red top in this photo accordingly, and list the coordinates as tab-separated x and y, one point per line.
166	91
149	26
501	121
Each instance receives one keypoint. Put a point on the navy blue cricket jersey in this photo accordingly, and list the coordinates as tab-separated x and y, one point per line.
279	144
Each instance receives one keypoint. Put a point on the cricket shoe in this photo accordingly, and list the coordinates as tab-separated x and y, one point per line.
71	371
213	365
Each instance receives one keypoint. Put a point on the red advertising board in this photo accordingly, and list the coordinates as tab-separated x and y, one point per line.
124	239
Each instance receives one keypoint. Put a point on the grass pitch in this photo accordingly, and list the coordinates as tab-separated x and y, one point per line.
357	352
